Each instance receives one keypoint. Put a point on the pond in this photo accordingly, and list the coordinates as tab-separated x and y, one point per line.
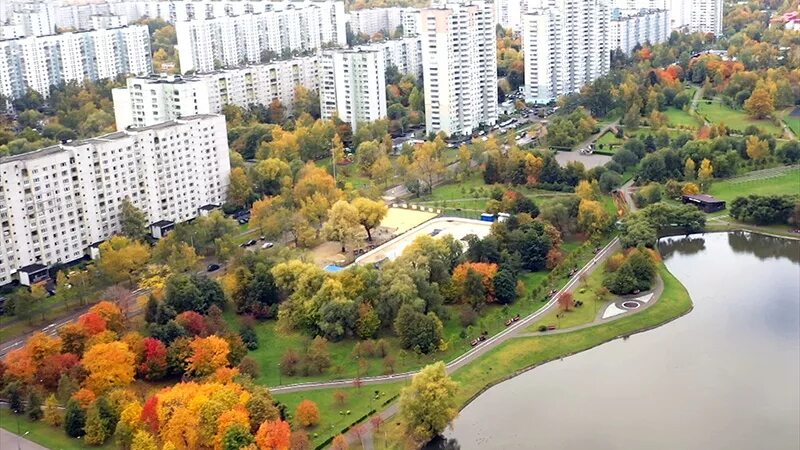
725	376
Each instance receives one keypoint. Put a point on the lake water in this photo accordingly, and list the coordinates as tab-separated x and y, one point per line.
725	376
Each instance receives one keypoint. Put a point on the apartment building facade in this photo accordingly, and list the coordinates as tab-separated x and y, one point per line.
39	62
153	99
459	67
405	54
566	44
384	20
353	85
58	202
210	44
630	28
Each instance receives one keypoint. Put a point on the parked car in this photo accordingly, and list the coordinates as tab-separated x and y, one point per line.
249	243
266	245
212	267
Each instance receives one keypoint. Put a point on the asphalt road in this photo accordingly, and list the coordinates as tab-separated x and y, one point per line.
10	441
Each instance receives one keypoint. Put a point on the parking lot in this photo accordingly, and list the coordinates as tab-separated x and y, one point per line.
457	227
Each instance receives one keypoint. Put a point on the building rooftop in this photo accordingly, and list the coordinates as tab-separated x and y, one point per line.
32	155
705	198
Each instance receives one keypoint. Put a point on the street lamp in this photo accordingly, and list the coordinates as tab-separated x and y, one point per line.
280	375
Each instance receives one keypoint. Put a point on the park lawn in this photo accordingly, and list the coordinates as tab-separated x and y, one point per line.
792	122
772	183
275	342
579	315
472	186
680	118
517	355
608	138
45	435
737	120
334	418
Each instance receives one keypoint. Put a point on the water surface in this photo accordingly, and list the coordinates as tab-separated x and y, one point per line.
725	376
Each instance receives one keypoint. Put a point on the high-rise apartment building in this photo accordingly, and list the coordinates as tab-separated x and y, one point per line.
405	54
508	13
630	28
353	85
33	18
153	99
209	44
459	67
566	44
384	20
39	62
58	202
705	16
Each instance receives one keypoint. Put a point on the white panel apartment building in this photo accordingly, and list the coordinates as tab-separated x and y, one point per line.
459	67
206	45
405	54
36	63
566	44
705	16
353	85
630	28
58	201
153	99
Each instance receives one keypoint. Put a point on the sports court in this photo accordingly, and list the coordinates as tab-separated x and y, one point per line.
400	220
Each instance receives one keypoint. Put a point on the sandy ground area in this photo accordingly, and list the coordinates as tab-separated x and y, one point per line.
400	220
457	227
589	161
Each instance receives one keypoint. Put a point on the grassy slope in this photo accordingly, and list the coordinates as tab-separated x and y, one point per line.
792	122
716	112
786	183
43	434
678	117
580	315
518	354
334	417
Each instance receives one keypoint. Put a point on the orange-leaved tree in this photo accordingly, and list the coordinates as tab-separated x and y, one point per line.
307	413
109	365
208	355
274	435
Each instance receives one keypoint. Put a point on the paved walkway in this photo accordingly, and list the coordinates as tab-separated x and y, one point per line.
10	441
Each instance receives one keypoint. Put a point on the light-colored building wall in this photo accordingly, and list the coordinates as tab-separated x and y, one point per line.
58	201
459	67
353	85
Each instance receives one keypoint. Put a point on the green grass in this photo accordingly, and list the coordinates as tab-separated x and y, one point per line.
579	315
518	354
275	342
792	122
778	181
737	120
607	139
333	416
680	118
43	434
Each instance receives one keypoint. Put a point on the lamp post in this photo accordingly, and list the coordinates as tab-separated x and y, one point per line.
280	375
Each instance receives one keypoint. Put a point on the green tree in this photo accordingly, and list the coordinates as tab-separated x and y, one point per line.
343	224
33	408
236	437
370	213
418	331
429	405
74	419
505	286
132	220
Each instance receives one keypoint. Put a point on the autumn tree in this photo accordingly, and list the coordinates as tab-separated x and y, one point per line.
274	435
757	149
704	174
588	190
270	217
177	255
340	443
689	170
307	413
208	354
370	213
592	218
121	258
240	190
690	189
565	301
760	104
53	415
109	365
428	405
343	224
154	359
427	164
318	356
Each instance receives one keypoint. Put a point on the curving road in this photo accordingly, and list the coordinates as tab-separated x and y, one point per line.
475	352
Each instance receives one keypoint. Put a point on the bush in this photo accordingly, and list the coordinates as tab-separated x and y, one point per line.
249	337
763	210
542	328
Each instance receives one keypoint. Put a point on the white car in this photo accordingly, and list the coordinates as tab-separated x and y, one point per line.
267	245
